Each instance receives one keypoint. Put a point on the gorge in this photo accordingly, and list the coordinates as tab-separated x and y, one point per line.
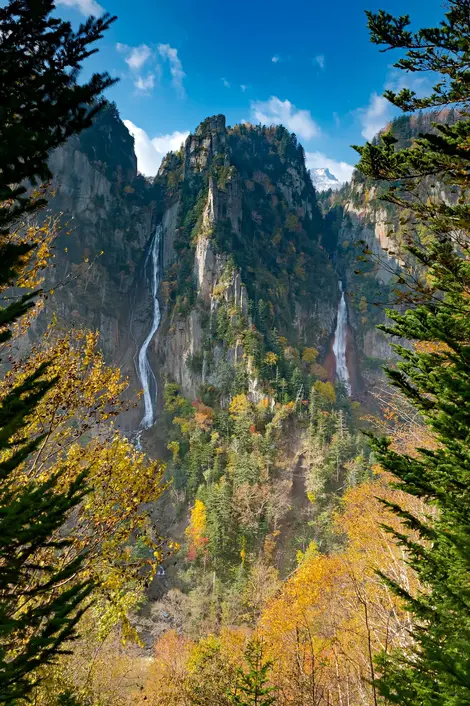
235	392
221	294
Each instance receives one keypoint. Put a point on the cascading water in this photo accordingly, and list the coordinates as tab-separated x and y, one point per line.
146	375
339	345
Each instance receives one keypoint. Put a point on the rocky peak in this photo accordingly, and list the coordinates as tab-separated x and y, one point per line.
109	147
207	142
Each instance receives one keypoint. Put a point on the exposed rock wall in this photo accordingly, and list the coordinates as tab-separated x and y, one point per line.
110	214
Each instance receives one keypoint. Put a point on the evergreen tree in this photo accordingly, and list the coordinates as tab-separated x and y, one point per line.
252	685
41	105
434	372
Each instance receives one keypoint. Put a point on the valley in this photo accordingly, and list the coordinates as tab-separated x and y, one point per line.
235	391
219	292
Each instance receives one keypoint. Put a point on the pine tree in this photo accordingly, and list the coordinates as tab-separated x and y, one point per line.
252	687
41	105
434	371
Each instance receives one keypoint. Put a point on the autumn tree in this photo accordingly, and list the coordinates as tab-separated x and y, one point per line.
434	375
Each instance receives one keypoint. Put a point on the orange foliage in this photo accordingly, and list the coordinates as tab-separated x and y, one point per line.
334	613
203	416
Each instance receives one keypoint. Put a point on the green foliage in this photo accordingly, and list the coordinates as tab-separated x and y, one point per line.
195	362
109	145
180	274
42	103
252	686
433	374
296	268
35	617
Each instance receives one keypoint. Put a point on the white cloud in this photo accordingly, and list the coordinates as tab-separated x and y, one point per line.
225	82
397	80
341	170
145	84
379	112
275	112
86	7
243	87
150	152
169	143
136	56
320	59
276	59
375	116
176	67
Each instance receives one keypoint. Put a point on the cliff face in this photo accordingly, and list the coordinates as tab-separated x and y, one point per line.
241	253
366	237
367	255
107	213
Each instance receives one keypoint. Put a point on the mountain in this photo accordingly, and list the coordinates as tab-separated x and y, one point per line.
240	230
240	223
323	179
226	289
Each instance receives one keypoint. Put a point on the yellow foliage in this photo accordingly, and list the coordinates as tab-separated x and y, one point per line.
270	358
291	353
74	420
326	390
333	614
196	530
239	406
309	355
167	679
243	551
263	404
174	447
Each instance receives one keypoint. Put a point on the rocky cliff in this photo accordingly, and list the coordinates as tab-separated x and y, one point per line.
366	241
106	212
242	259
242	255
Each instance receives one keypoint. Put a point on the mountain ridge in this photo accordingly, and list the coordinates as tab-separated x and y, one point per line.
323	179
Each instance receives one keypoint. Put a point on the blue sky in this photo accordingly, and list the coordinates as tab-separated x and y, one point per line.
305	63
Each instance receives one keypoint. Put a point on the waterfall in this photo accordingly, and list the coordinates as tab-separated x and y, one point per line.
146	375
339	345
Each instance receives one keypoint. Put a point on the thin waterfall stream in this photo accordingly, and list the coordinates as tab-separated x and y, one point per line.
340	342
144	370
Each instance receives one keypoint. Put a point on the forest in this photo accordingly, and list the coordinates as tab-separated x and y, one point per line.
281	536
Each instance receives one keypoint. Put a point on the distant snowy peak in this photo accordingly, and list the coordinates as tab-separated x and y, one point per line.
323	180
